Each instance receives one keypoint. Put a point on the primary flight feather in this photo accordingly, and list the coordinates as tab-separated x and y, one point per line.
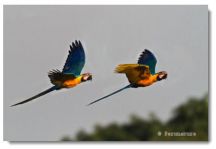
141	74
70	75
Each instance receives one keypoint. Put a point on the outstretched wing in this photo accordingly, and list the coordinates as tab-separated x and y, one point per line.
148	58
134	72
75	60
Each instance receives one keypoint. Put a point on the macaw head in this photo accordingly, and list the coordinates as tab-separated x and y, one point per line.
86	77
161	75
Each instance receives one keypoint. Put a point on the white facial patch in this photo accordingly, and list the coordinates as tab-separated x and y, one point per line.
85	77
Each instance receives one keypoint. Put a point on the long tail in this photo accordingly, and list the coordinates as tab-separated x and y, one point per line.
128	86
36	96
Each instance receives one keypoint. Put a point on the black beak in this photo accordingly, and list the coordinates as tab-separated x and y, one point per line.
162	76
165	76
90	78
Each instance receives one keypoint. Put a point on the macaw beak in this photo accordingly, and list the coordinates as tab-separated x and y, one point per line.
162	75
90	78
165	75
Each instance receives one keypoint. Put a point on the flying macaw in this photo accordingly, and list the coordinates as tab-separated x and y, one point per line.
70	75
141	74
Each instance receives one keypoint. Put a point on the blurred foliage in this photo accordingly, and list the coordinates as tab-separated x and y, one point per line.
190	118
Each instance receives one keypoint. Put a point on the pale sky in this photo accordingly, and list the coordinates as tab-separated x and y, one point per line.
37	39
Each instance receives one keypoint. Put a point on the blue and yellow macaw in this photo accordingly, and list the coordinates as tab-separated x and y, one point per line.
141	74
70	75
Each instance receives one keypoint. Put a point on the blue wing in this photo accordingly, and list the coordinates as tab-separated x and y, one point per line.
148	58
75	60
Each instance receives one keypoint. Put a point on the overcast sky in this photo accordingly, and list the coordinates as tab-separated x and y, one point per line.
37	39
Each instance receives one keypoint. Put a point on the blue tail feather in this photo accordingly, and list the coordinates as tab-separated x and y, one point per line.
128	86
36	96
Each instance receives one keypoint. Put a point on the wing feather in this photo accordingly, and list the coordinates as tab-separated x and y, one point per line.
134	72
75	60
148	58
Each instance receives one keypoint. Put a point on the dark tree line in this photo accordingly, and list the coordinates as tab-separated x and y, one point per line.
188	123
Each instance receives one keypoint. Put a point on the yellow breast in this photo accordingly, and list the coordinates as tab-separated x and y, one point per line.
148	81
72	82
